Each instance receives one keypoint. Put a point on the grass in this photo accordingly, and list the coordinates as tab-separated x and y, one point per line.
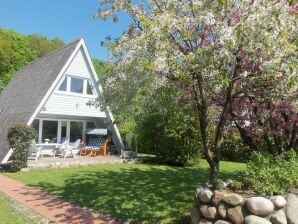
139	193
12	212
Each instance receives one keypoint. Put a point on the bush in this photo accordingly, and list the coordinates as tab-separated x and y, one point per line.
271	175
19	138
233	149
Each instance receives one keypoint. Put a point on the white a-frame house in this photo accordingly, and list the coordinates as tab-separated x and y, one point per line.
53	95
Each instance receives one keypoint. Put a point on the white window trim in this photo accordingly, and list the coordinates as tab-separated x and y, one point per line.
68	87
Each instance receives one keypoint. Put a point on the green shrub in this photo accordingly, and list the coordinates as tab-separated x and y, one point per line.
234	150
270	175
19	138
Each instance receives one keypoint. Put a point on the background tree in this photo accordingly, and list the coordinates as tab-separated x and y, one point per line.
17	50
215	47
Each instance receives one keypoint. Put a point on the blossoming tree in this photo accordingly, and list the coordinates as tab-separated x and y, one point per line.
221	49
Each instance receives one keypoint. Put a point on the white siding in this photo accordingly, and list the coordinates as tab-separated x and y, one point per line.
67	103
70	105
78	66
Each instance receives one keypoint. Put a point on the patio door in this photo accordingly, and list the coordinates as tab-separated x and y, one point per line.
76	130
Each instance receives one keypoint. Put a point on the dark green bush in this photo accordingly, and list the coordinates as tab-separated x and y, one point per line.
234	150
270	175
20	138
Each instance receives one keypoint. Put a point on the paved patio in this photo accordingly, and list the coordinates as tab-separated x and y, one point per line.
57	162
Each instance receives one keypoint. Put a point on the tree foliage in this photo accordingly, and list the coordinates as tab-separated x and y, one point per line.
219	50
17	50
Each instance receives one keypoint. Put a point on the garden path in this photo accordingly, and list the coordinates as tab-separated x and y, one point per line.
53	208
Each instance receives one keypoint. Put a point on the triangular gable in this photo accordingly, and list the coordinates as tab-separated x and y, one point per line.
64	101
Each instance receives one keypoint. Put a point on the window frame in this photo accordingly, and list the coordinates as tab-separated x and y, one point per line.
68	86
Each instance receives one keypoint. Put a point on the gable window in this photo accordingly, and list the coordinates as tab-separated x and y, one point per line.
63	86
77	85
89	88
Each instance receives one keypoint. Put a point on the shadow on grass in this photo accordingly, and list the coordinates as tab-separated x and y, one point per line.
144	194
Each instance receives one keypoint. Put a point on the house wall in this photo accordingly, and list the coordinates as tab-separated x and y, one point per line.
68	103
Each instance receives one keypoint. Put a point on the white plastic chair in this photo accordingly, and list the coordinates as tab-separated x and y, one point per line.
72	149
34	151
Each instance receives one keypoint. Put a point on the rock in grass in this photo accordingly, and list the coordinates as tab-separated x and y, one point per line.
233	199
194	215
279	217
222	210
292	208
259	206
253	219
236	215
208	211
217	197
278	201
204	221
222	222
205	195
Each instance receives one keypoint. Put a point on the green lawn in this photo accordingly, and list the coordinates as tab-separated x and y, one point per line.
10	213
140	193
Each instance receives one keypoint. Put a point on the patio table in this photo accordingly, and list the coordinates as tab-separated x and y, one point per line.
48	148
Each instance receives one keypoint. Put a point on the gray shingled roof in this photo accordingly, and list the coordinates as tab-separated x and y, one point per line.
26	90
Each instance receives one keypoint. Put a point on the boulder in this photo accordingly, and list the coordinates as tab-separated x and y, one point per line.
253	219
292	208
194	215
222	210
222	222
205	195
208	211
233	199
260	206
278	201
204	221
279	217
217	197
236	215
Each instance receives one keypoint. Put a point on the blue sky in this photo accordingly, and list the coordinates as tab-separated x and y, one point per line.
66	19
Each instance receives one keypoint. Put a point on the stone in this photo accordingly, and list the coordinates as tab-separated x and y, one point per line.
260	206
204	221
292	208
233	199
253	219
196	201
26	169
235	214
205	195
222	210
278	201
198	190
208	211
194	215
279	217
222	222
217	197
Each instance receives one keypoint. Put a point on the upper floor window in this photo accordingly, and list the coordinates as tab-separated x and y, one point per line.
89	88
76	85
63	86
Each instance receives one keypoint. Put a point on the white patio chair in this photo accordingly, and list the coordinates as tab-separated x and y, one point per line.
34	151
72	149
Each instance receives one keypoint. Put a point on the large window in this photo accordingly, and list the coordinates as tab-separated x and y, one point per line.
49	131
77	85
76	130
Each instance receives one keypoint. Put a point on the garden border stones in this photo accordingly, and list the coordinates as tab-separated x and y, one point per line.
225	207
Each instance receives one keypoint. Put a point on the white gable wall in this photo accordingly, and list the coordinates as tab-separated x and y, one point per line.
67	103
